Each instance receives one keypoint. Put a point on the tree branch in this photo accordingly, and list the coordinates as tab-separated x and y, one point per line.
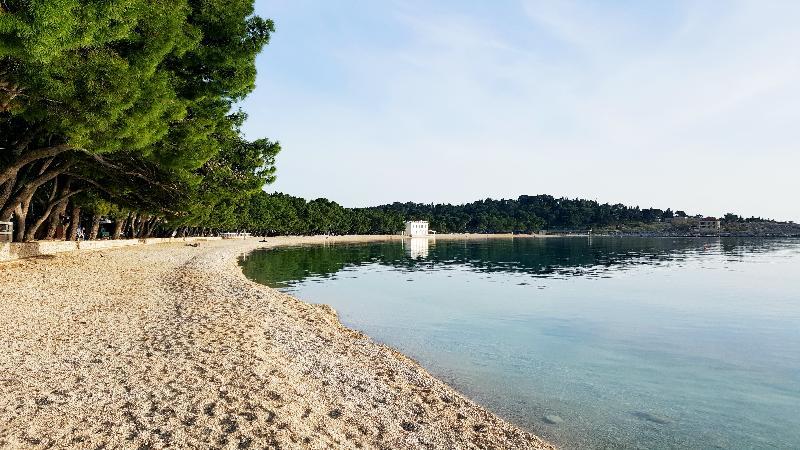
125	171
117	194
30	188
29	157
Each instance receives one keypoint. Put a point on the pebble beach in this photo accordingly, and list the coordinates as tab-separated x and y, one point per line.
169	345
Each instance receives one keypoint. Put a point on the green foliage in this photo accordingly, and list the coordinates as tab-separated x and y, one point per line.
100	83
239	170
41	30
131	100
732	218
223	62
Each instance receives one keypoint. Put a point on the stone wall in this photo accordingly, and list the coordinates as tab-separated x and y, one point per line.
19	250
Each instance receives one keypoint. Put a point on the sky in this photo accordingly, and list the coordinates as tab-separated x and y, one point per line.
692	105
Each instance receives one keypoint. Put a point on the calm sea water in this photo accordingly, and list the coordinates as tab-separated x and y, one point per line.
591	343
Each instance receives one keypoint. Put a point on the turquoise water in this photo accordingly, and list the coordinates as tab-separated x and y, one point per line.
591	343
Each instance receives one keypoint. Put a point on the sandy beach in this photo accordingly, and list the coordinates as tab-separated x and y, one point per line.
169	345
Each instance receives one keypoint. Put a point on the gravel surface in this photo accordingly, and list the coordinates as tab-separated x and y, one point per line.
171	346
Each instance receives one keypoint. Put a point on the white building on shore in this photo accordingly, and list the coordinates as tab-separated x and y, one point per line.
416	228
709	223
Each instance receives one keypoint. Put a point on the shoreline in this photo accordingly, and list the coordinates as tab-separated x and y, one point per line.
170	344
14	251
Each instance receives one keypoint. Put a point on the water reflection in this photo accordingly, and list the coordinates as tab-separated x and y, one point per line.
539	257
417	247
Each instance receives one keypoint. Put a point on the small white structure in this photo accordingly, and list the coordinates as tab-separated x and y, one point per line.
416	228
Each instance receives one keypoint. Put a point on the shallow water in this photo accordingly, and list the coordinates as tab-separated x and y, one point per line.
591	343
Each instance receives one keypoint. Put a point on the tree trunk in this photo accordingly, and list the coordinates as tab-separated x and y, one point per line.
95	227
60	209
8	188
21	216
134	226
140	225
48	212
30	234
20	231
34	229
144	220
55	219
150	226
74	222
119	225
130	227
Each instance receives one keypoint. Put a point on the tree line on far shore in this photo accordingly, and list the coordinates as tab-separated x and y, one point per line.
282	214
123	110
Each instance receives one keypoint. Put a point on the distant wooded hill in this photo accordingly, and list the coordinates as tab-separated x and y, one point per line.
284	214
